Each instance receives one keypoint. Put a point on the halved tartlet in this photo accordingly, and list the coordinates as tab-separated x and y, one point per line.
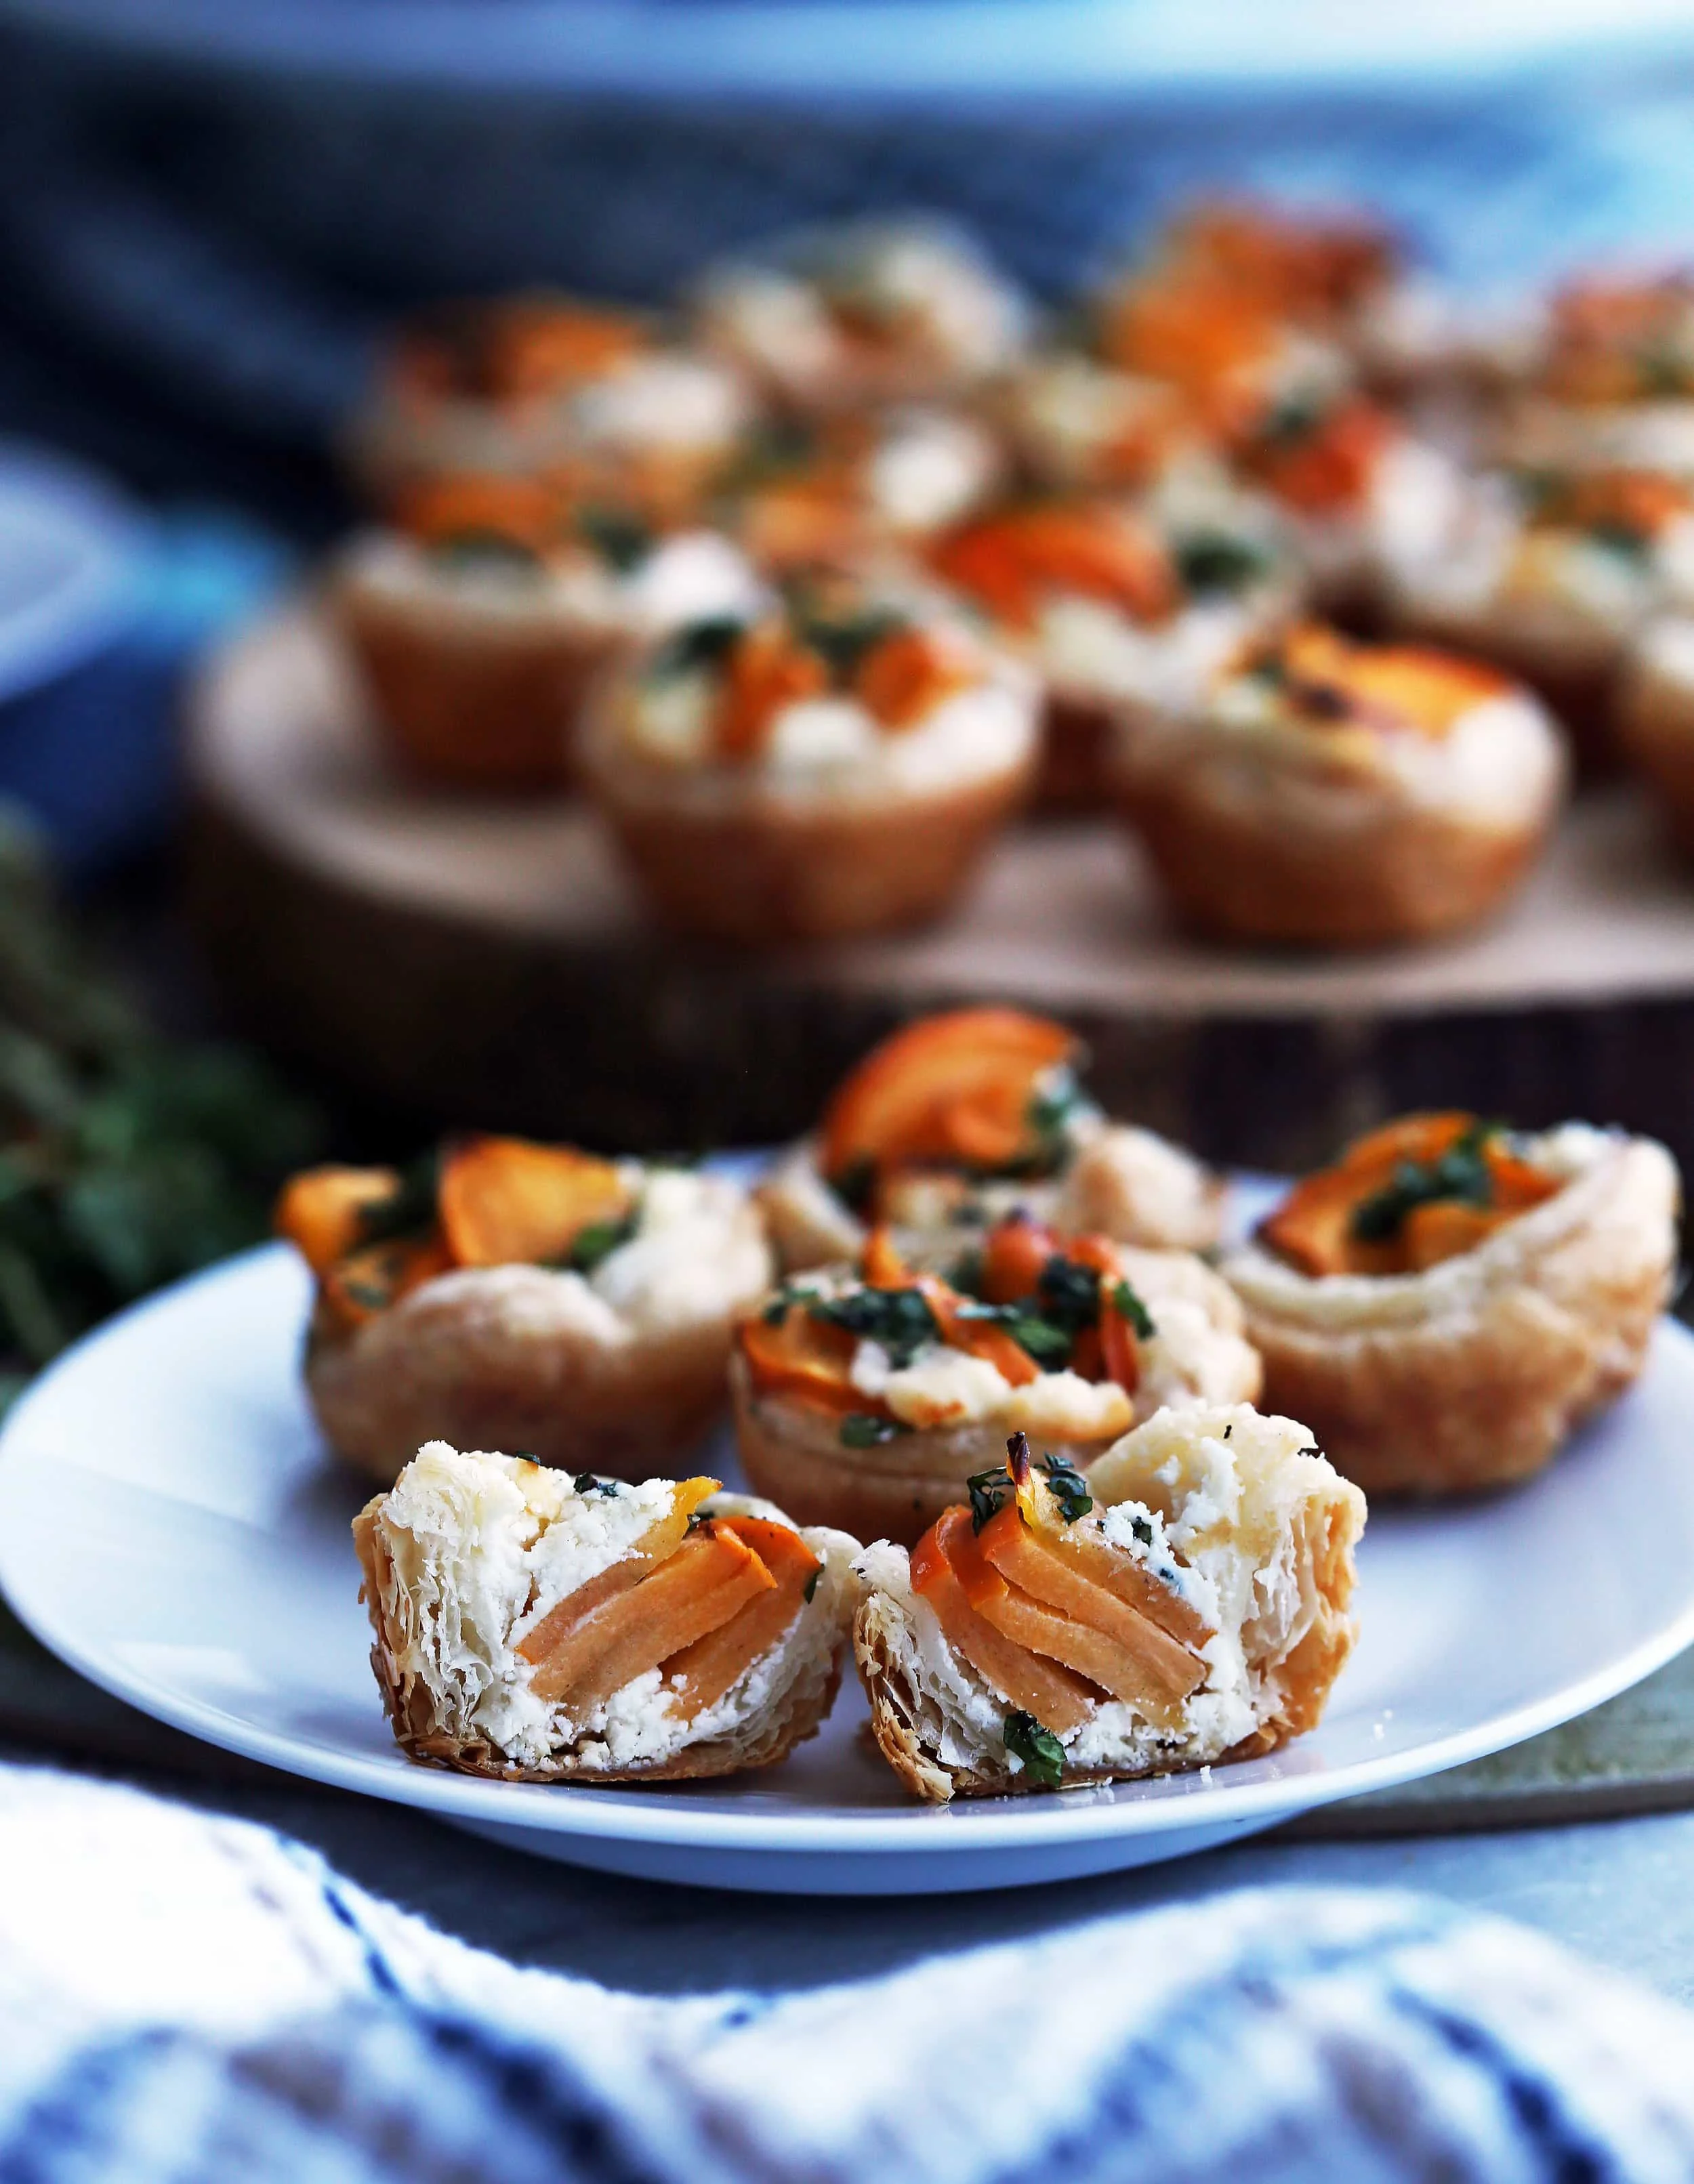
1329	794
837	767
876	310
1655	717
581	1310
1553	575
539	384
538	1628
957	1120
1118	612
1185	1603
478	624
1451	1298
868	1398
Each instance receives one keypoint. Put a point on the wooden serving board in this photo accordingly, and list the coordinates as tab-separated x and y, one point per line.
488	962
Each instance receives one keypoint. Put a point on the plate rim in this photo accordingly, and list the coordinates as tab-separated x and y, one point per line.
631	1813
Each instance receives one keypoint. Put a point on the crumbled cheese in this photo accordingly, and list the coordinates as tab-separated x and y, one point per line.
1068	1407
946	1387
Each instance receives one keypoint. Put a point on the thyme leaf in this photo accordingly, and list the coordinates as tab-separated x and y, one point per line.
1040	1751
1069	1488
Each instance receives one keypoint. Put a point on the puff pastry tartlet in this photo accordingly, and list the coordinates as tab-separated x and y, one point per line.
1186	1602
1451	1298
958	1119
1614	382
877	311
539	1628
838	765
1119	613
1330	793
581	1310
1553	575
867	1398
477	621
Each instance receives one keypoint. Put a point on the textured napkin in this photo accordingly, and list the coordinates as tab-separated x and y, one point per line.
183	1997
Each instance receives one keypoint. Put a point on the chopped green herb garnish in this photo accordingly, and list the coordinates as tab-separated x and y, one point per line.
1219	561
1621	538
1310	1449
1069	1488
598	1241
698	645
1142	1528
619	538
1040	1751
1292	420
989	1492
811	1584
865	1429
588	1482
842	641
899	1320
1129	1307
1461	1173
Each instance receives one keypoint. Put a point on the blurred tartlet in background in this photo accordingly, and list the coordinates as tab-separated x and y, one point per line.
836	766
1333	793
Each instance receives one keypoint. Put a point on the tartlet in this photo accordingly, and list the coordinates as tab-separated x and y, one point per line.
538	1628
1330	793
1187	1602
1120	611
877	311
579	1309
1447	1302
478	623
1655	718
542	385
957	1120
838	766
869	1397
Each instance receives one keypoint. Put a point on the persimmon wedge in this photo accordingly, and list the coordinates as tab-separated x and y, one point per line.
506	1203
952	1087
1143	1676
1058	1700
321	1213
802	1357
1027	1559
661	1538
710	1578
1109	1566
702	1673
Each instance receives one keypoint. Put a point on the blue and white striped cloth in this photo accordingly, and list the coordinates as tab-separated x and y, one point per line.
187	1998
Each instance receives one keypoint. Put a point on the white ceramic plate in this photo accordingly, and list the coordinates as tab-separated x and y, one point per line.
170	1526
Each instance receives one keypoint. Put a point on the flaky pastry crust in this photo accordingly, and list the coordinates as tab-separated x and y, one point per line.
507	1356
1656	729
1473	1373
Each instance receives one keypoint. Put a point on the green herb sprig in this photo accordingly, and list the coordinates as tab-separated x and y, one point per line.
1461	1174
1042	1754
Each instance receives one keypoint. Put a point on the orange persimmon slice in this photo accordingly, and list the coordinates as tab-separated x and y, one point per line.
506	1203
802	1357
662	1537
1016	1253
1058	1700
901	681
702	1673
369	1280
767	671
1330	467
950	1088
1118	1572
321	1213
976	1338
520	511
710	1578
1027	1560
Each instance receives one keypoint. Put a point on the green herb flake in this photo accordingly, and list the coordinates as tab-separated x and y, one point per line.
1310	1449
1460	1174
1219	561
589	1482
697	645
989	1492
1040	1753
899	1321
620	539
811	1584
1068	1487
598	1241
1142	1527
410	1211
865	1429
1129	1307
